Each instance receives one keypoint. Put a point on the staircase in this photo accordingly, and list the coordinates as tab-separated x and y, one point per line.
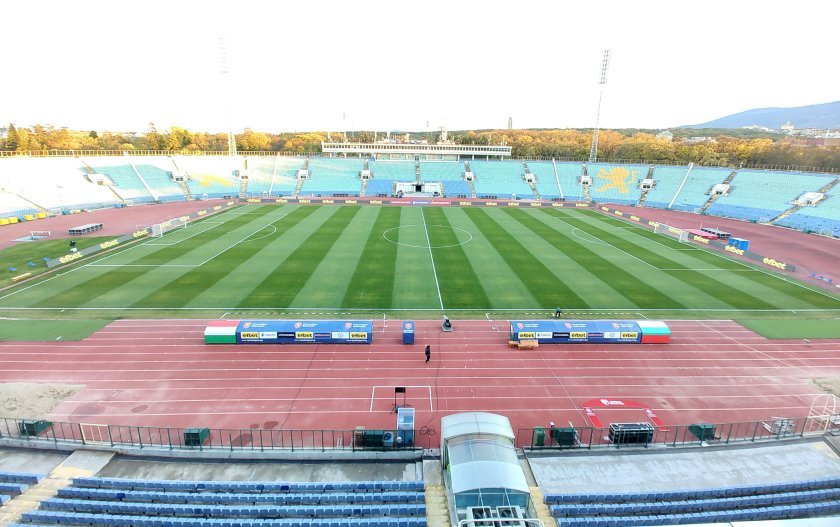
830	186
645	191
586	196
714	197
437	509
78	464
470	183
785	214
296	193
185	189
364	188
531	183
243	187
542	510
442	192
417	171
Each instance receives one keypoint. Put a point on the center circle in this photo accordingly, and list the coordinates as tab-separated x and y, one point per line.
463	236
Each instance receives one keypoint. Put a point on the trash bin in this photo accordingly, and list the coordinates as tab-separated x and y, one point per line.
196	436
702	431
33	427
408	332
538	438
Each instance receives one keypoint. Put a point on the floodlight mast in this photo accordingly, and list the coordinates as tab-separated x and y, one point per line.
223	65
605	64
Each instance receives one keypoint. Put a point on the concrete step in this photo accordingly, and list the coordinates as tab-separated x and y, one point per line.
542	510
437	509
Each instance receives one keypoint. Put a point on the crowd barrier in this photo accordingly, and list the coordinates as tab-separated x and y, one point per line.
214	439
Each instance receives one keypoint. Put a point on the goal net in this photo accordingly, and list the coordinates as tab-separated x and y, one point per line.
159	229
673	232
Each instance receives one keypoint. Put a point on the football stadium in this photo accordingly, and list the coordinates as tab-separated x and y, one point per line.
406	328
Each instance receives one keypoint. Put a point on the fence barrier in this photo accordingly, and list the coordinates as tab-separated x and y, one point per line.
773	429
214	439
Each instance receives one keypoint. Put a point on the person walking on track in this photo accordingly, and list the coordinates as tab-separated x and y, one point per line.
428	353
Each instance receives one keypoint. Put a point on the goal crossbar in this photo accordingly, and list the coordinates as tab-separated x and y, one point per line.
159	229
673	232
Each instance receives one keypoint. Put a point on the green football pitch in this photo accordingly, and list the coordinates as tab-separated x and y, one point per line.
414	261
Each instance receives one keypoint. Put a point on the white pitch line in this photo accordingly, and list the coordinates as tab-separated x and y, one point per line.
432	256
242	240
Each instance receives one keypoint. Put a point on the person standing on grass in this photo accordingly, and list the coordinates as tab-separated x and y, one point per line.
428	353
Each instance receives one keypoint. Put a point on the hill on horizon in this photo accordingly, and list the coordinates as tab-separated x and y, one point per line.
826	115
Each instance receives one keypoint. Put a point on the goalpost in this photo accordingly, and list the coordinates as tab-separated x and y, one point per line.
673	232
159	229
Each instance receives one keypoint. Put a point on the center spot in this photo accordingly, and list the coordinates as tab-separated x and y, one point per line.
418	232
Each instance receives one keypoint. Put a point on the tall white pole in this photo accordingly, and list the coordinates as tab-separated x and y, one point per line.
226	86
605	64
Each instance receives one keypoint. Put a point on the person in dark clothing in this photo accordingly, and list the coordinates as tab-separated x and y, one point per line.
428	353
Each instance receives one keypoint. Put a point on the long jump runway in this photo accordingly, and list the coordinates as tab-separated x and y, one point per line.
160	373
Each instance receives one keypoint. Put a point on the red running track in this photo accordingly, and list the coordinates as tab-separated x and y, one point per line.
160	373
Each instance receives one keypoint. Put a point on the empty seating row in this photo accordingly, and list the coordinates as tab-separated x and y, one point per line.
379	187
456	188
12	489
683	506
44	517
331	498
247	486
20	477
233	511
722	492
770	513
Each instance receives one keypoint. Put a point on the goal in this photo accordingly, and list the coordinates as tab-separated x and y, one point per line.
159	229
673	232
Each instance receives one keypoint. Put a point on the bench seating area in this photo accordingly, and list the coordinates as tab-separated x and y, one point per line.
801	499
165	503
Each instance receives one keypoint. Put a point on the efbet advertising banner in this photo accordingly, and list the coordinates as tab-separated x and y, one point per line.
304	331
576	331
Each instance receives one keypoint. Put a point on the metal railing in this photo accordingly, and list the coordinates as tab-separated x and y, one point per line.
213	439
774	429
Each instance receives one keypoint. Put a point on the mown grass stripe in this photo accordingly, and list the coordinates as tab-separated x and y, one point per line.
739	298
502	285
372	284
120	279
596	290
459	285
287	279
181	289
329	283
626	283
540	281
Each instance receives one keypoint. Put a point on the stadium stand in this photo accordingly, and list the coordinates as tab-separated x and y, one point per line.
126	181
455	188
798	499
569	174
546	182
500	179
760	195
157	173
616	183
400	170
666	182
49	184
210	176
333	177
443	170
123	502
272	176
823	218
695	191
380	187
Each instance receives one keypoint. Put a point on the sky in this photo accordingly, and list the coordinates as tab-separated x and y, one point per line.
393	65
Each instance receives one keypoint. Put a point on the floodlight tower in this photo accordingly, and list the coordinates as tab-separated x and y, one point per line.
605	64
226	86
